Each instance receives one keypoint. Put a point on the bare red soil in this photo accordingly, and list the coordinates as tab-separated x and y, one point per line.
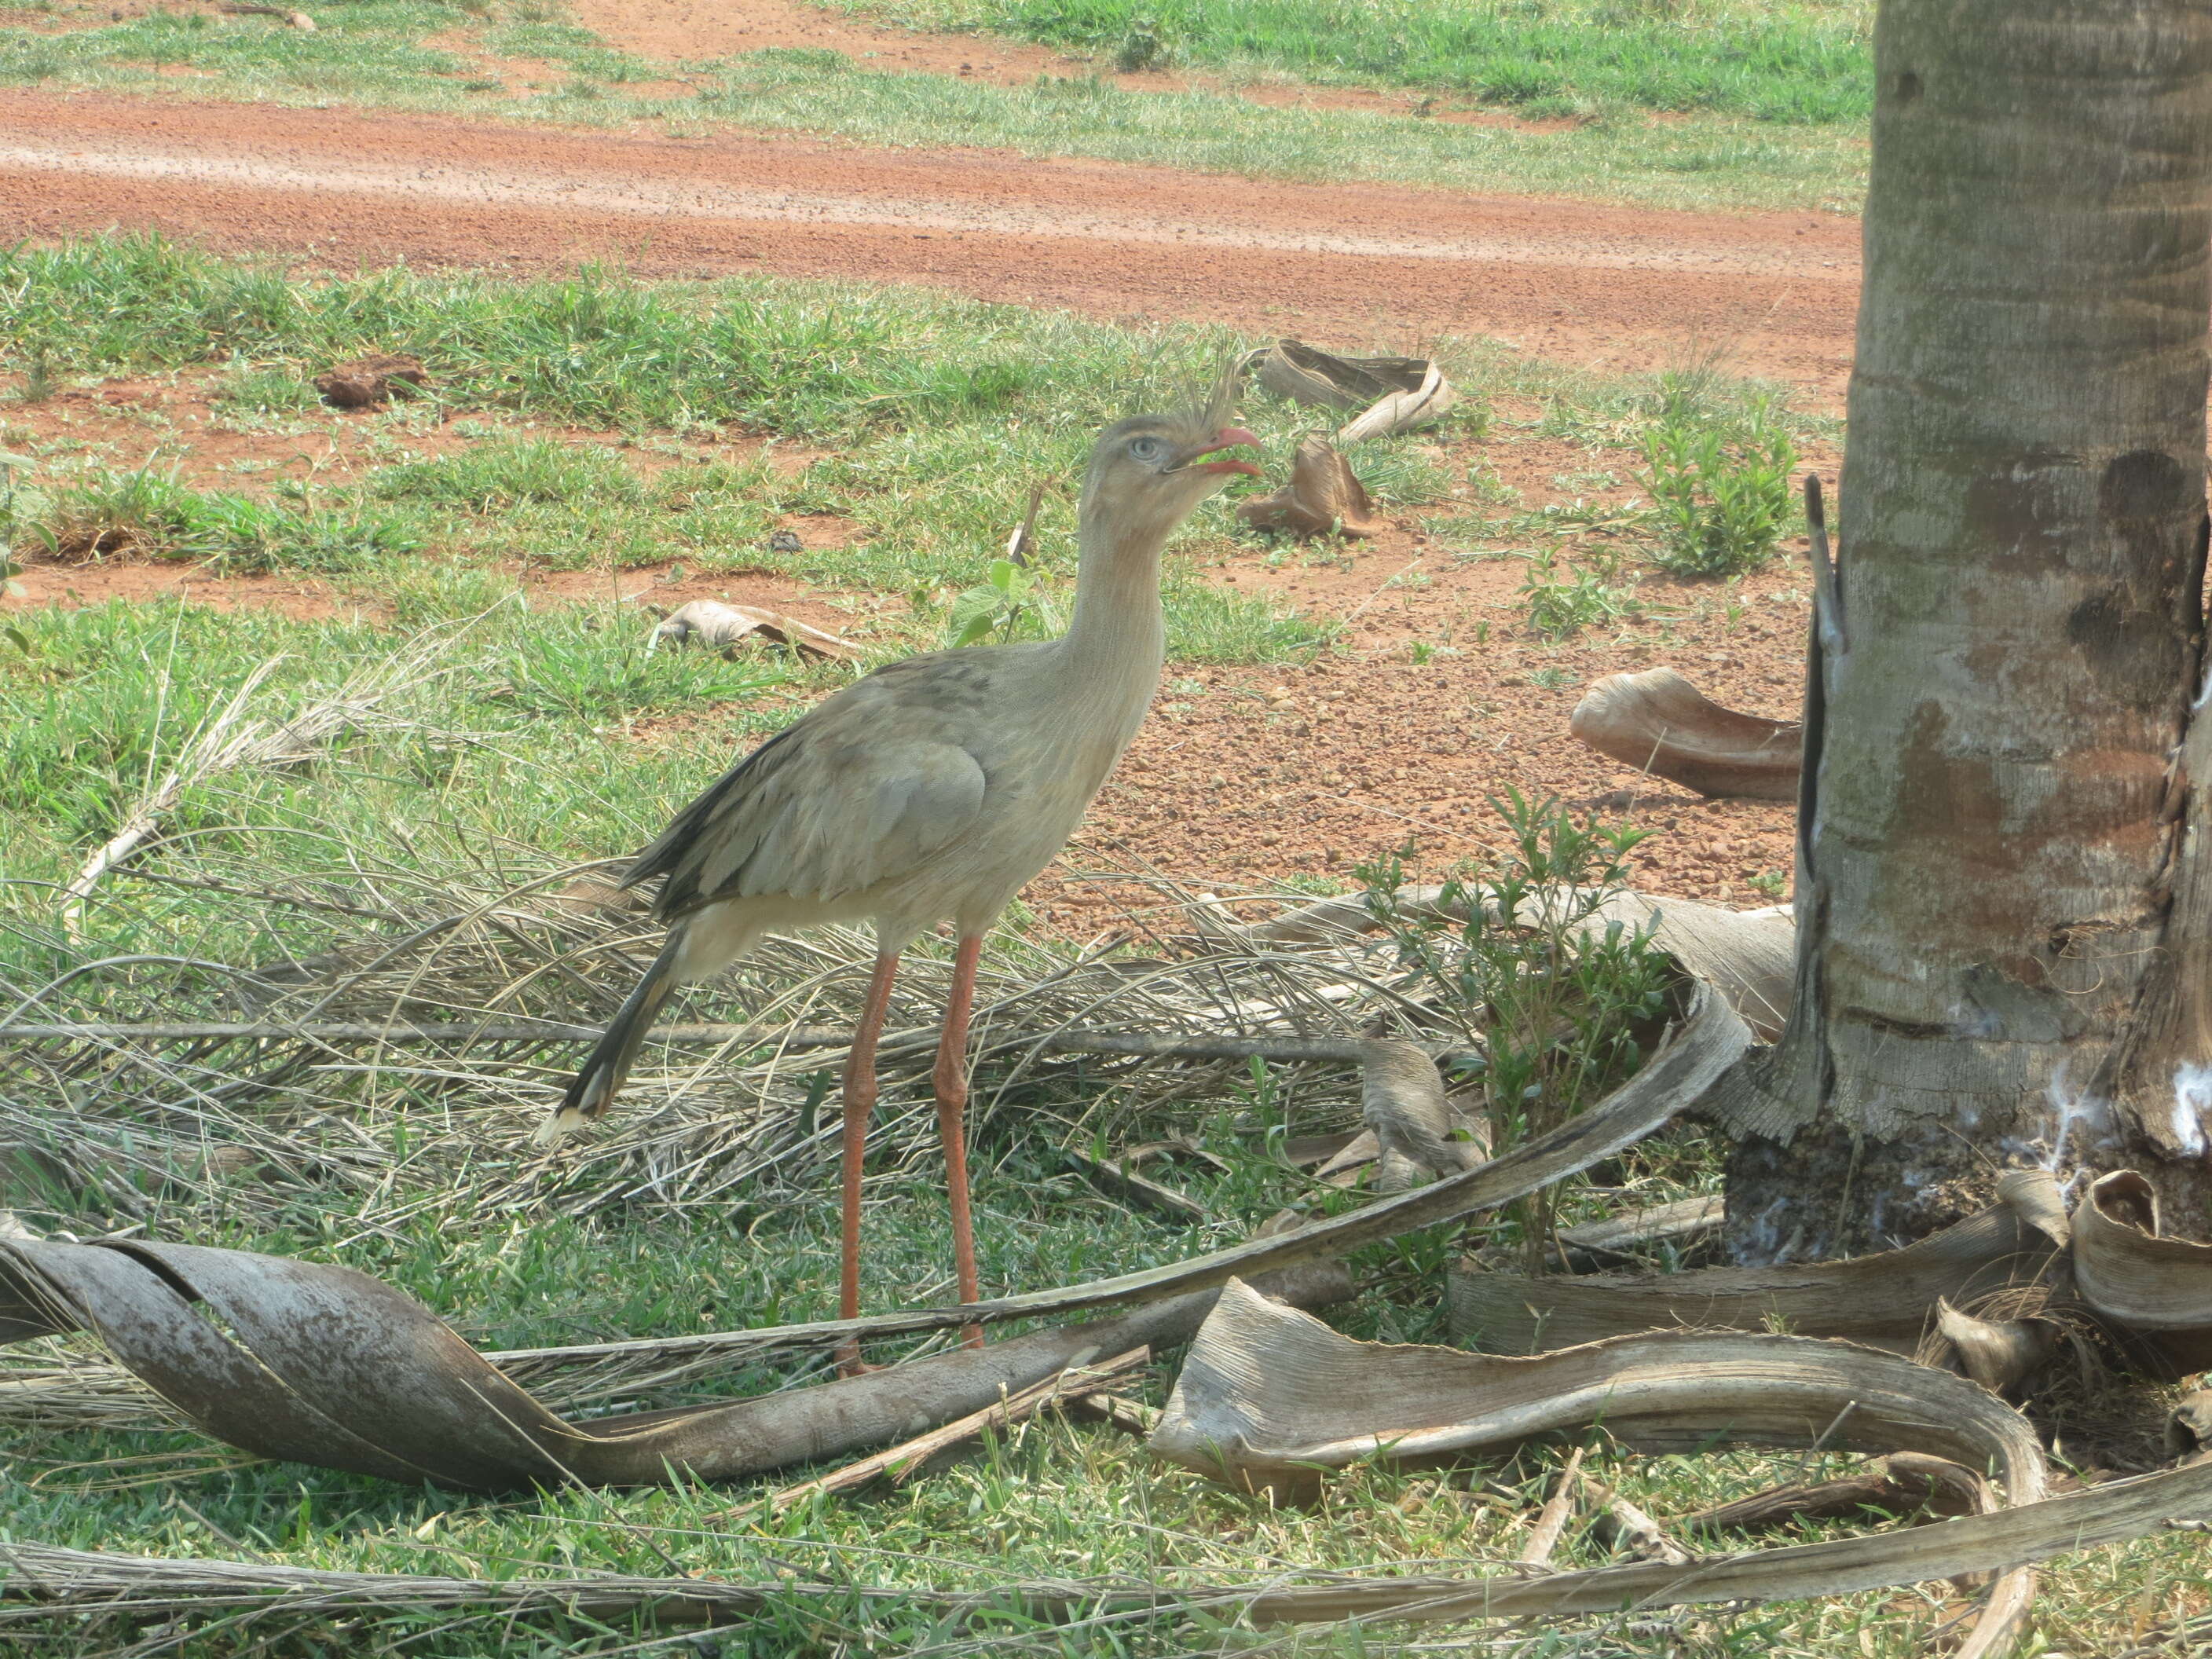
1355	266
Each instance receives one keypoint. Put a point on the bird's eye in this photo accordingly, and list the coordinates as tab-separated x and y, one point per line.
1145	449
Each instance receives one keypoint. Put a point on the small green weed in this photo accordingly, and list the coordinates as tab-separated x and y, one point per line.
1561	603
1009	593
1720	484
37	379
1144	47
1570	1003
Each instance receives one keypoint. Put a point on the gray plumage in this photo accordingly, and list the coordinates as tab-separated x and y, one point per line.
936	787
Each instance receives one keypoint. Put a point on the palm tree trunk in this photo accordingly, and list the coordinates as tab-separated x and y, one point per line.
2004	911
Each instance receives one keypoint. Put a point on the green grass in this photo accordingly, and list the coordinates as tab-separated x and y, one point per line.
147	515
373	54
1797	63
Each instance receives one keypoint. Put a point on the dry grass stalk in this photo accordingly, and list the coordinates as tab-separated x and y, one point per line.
229	739
1552	1520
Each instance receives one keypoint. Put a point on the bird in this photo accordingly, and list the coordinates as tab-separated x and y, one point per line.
933	790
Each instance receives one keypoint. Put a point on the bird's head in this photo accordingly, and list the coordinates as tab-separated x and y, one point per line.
1149	471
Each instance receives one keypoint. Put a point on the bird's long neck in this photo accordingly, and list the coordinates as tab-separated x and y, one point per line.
1117	637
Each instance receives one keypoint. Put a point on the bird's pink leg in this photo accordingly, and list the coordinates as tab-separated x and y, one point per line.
859	1091
950	1082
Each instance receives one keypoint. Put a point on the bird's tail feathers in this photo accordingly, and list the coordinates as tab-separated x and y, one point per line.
593	1088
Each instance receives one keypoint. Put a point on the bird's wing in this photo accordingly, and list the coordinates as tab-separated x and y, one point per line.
863	790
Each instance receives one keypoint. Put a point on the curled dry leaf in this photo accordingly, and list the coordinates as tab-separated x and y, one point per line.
2157	1288
1397	394
1403	1101
369	380
2129	1269
321	1364
2000	1354
2188	1426
1324	497
1885	1300
724	627
1269	1398
1656	721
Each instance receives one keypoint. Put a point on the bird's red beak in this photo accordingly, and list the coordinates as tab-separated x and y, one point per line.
1230	437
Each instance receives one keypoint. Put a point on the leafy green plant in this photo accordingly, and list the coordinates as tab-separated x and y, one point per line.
37	379
1144	47
1720	485
1561	603
1566	1000
1007	594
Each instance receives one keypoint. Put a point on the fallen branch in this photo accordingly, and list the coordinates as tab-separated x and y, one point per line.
901	1462
1904	1484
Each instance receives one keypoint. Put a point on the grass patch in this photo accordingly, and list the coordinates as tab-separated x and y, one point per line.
374	54
1800	64
149	516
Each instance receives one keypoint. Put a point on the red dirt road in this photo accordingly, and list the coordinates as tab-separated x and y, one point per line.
1352	265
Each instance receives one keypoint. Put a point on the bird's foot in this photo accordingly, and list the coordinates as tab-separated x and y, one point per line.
850	1364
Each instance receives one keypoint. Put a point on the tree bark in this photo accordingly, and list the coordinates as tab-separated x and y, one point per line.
2005	918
